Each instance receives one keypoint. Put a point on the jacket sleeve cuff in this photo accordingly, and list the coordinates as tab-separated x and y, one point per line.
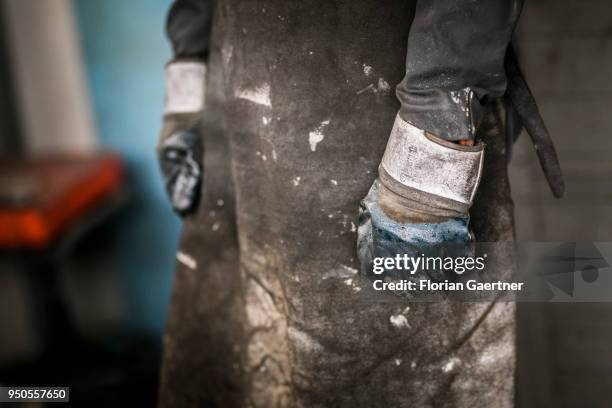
418	161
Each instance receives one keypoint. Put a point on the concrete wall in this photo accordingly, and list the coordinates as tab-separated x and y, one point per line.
566	49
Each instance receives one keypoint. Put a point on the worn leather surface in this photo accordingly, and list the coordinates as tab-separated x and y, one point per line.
202	347
270	316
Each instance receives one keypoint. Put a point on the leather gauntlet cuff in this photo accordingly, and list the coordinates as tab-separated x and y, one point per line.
432	171
185	87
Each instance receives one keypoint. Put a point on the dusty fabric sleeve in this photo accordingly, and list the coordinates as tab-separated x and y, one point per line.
188	28
455	61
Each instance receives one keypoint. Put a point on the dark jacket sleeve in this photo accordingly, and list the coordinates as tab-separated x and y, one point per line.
454	61
188	28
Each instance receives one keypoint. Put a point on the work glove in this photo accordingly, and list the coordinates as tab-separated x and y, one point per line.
179	148
419	203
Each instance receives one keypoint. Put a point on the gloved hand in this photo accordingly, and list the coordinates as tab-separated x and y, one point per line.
420	200
179	148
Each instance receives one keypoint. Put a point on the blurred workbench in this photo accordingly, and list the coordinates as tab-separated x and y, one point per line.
45	200
49	206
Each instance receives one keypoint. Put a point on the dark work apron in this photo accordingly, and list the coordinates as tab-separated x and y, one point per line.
265	311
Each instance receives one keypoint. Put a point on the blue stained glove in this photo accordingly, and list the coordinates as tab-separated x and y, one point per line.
420	202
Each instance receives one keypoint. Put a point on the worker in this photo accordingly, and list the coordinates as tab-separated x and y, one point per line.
293	162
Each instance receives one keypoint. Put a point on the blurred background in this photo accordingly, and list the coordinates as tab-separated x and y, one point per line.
565	47
87	238
85	280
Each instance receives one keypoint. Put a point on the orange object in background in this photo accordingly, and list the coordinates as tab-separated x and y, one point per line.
41	196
